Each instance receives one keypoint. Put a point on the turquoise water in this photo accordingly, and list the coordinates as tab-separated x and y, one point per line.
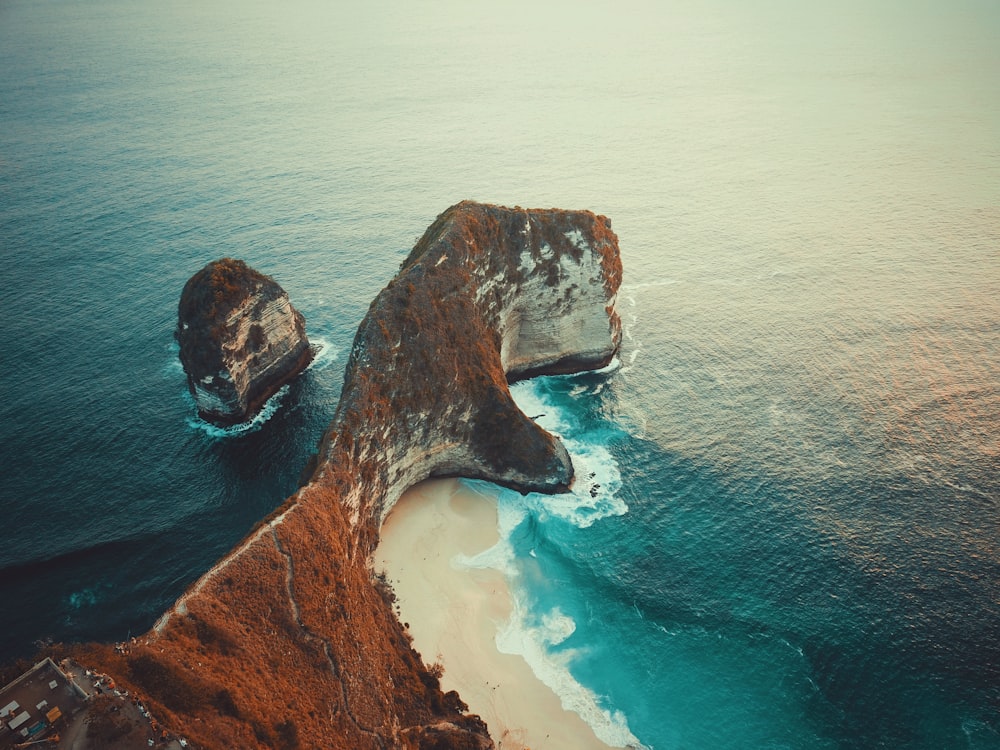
794	540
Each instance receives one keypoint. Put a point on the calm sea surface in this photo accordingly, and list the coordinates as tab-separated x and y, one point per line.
786	533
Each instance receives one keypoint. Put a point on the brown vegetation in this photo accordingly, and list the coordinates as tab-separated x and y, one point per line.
107	724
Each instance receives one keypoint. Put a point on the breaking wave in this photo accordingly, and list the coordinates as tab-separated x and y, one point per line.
537	636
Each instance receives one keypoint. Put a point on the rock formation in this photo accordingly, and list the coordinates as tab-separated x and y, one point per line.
240	339
289	641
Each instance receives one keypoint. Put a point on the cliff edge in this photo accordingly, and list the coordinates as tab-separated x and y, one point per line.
240	340
289	641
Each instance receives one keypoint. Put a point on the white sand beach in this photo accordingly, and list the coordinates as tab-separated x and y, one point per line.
453	616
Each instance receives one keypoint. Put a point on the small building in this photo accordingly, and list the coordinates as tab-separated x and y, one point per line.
34	703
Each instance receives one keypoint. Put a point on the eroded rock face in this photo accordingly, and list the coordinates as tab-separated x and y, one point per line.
289	637
488	295
240	339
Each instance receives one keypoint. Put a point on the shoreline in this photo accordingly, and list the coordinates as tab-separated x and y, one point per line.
453	615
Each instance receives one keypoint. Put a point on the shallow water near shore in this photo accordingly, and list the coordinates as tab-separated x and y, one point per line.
789	538
434	551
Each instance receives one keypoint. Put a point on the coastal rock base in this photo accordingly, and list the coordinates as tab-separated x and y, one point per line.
240	340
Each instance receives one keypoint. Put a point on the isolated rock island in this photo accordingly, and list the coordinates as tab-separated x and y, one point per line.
289	641
240	340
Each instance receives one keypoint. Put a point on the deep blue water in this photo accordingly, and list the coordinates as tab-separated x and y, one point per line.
794	541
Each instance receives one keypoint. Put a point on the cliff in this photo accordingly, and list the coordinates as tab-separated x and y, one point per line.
289	641
240	340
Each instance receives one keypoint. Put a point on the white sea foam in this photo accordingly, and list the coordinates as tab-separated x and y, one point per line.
251	425
532	641
173	367
557	627
628	325
324	355
611	366
534	636
501	555
649	284
324	352
594	494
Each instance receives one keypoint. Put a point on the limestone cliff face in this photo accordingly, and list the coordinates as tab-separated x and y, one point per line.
240	340
288	641
488	295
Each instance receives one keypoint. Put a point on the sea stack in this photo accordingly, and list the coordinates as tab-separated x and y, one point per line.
240	340
290	641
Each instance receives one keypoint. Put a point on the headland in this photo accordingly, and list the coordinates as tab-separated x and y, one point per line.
290	640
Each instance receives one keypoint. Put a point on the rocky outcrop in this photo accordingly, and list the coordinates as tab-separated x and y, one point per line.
487	296
240	340
289	641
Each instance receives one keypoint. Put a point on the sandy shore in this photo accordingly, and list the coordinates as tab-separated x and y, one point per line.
453	616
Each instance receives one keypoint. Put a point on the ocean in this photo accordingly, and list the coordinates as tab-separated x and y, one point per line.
785	532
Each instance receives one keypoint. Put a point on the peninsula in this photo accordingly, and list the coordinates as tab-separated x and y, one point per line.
290	640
